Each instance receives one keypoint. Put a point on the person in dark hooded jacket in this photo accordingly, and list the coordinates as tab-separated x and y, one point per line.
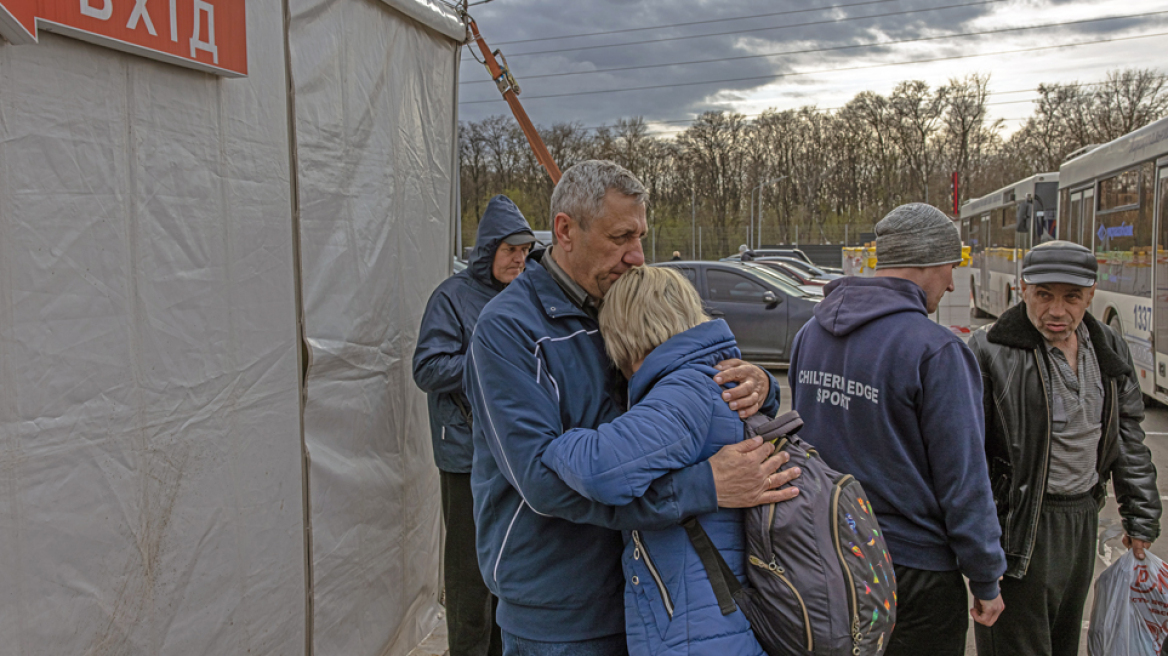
501	247
894	399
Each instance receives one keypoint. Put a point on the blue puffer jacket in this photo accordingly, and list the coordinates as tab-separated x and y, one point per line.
447	326
679	419
537	368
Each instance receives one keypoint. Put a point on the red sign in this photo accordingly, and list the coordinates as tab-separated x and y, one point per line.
207	35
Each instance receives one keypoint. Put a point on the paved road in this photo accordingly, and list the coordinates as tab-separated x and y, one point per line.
1109	547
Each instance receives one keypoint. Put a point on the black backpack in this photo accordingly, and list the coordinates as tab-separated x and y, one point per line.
821	578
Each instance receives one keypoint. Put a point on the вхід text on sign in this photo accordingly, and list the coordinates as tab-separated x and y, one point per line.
207	35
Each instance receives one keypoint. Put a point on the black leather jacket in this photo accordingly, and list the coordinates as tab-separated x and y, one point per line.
1018	431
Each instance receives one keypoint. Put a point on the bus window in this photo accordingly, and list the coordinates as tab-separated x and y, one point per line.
1161	318
1000	244
1072	227
977	232
1006	228
1123	231
1086	218
1120	191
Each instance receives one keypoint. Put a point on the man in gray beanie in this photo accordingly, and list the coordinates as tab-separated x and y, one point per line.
895	400
1063	409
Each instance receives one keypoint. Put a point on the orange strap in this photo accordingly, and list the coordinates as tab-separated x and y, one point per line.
510	90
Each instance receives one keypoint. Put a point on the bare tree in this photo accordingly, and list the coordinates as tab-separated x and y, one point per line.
916	116
1127	101
845	169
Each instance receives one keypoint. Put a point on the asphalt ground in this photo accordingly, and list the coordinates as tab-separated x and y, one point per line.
1108	546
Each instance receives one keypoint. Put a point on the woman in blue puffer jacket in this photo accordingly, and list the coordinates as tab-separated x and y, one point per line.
655	330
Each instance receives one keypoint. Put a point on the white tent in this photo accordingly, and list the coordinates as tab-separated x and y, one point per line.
210	288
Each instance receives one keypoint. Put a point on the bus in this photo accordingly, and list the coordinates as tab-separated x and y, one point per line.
999	228
1113	199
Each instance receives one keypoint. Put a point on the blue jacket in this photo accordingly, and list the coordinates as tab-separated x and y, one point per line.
678	419
895	399
536	369
447	326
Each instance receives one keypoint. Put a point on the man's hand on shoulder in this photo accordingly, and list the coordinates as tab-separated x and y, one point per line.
751	389
744	475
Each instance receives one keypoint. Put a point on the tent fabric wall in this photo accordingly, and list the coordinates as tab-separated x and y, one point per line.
434	14
151	494
374	126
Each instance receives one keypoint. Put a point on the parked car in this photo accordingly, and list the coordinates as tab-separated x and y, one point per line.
801	277
763	309
459	266
812	270
770	252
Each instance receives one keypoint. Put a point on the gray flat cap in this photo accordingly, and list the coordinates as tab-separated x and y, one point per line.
916	235
1060	261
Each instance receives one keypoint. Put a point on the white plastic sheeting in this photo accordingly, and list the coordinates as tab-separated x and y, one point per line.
434	14
152	421
150	470
374	109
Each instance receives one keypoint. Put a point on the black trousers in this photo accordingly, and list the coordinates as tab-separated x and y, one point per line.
931	614
1044	609
470	606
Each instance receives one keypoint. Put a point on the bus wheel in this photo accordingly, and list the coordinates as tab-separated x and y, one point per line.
1114	324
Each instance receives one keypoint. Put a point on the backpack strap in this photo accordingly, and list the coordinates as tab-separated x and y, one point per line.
787	423
722	579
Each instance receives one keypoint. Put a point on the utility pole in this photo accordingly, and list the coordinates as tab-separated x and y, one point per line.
693	217
758	234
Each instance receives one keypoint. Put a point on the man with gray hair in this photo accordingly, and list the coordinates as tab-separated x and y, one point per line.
536	369
895	400
1063	410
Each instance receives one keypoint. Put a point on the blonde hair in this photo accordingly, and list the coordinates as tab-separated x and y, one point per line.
645	307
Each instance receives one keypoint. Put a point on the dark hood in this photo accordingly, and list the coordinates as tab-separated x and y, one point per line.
853	302
501	220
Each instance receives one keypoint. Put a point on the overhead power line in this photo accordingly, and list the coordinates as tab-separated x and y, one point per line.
845	19
834	109
834	48
757	78
700	22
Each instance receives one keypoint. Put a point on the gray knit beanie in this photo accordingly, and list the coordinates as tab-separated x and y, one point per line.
916	235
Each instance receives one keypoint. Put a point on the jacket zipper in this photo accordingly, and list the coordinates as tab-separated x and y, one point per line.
774	569
1045	462
852	603
640	546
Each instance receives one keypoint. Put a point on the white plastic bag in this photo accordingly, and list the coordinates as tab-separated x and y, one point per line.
1130	614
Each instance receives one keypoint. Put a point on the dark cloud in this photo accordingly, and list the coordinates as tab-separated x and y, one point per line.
520	20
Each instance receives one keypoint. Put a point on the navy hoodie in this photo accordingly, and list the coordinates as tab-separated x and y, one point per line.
447	326
895	400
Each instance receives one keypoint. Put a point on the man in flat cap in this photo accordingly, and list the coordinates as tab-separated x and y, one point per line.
895	400
1063	411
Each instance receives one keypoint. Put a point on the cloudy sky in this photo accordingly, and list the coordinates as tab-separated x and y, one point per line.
826	51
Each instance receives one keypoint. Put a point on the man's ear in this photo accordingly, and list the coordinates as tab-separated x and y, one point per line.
562	226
